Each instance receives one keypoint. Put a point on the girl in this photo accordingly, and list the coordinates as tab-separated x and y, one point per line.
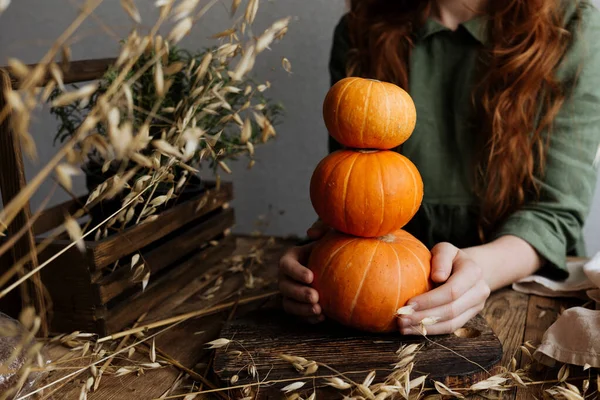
507	139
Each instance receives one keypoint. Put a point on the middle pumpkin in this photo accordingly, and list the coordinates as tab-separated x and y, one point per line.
366	193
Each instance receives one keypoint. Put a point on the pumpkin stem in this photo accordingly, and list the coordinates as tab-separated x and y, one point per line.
389	238
366	151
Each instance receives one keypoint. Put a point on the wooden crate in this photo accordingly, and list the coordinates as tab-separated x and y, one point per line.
89	294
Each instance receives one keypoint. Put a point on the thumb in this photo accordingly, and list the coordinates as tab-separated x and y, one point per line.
317	230
442	260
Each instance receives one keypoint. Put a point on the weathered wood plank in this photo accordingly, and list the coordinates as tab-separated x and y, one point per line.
506	313
55	216
266	272
76	71
75	300
12	181
160	289
114	247
266	333
11	303
164	255
125	387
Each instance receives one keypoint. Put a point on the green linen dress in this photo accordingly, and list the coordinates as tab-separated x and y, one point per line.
442	69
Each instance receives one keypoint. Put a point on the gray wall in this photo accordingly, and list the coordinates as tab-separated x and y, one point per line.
273	196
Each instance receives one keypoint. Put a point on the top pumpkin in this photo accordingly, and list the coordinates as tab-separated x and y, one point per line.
368	114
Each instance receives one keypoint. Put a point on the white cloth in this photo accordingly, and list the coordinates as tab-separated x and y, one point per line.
574	337
576	285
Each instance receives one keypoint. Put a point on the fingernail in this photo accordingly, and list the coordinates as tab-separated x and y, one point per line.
405	322
315	309
406	310
308	277
309	297
413	305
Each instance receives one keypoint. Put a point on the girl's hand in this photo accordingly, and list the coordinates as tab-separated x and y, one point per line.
461	296
294	279
317	230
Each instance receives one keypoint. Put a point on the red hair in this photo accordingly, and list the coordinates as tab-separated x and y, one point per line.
527	41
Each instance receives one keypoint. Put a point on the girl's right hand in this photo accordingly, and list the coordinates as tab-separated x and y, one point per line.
295	279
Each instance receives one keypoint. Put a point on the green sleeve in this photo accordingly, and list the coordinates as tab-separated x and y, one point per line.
553	224
337	63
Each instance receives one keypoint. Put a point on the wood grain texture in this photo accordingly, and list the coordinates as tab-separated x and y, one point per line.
266	333
506	313
12	181
75	300
108	250
75	71
161	256
77	290
161	289
114	247
55	216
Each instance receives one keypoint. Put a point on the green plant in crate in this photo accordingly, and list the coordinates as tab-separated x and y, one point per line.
187	104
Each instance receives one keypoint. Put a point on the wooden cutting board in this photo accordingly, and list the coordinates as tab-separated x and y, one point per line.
263	334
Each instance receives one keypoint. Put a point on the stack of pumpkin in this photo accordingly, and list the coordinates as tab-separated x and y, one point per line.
367	267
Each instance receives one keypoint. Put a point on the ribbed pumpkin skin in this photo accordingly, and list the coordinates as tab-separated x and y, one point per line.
366	194
369	114
363	282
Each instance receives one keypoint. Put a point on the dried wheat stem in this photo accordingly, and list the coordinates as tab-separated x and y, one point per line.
300	378
337	372
154	186
162	17
12	209
153	115
188	371
48	395
174	386
87	9
71	375
24	229
213	355
59	253
14	269
106	28
452	351
204	10
140	71
119	347
183	317
533	383
42	246
4	113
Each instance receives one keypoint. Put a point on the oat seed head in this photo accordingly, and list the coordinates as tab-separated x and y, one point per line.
4	5
292	387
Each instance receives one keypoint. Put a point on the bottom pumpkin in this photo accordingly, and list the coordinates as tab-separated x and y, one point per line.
362	282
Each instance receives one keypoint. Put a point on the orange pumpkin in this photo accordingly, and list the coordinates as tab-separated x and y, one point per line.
363	282
368	193
369	114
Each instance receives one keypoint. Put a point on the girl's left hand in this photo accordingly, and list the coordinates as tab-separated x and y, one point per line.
461	296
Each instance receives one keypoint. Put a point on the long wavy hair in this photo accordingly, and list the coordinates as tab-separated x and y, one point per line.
527	40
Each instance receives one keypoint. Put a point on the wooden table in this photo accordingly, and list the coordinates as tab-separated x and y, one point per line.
516	318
